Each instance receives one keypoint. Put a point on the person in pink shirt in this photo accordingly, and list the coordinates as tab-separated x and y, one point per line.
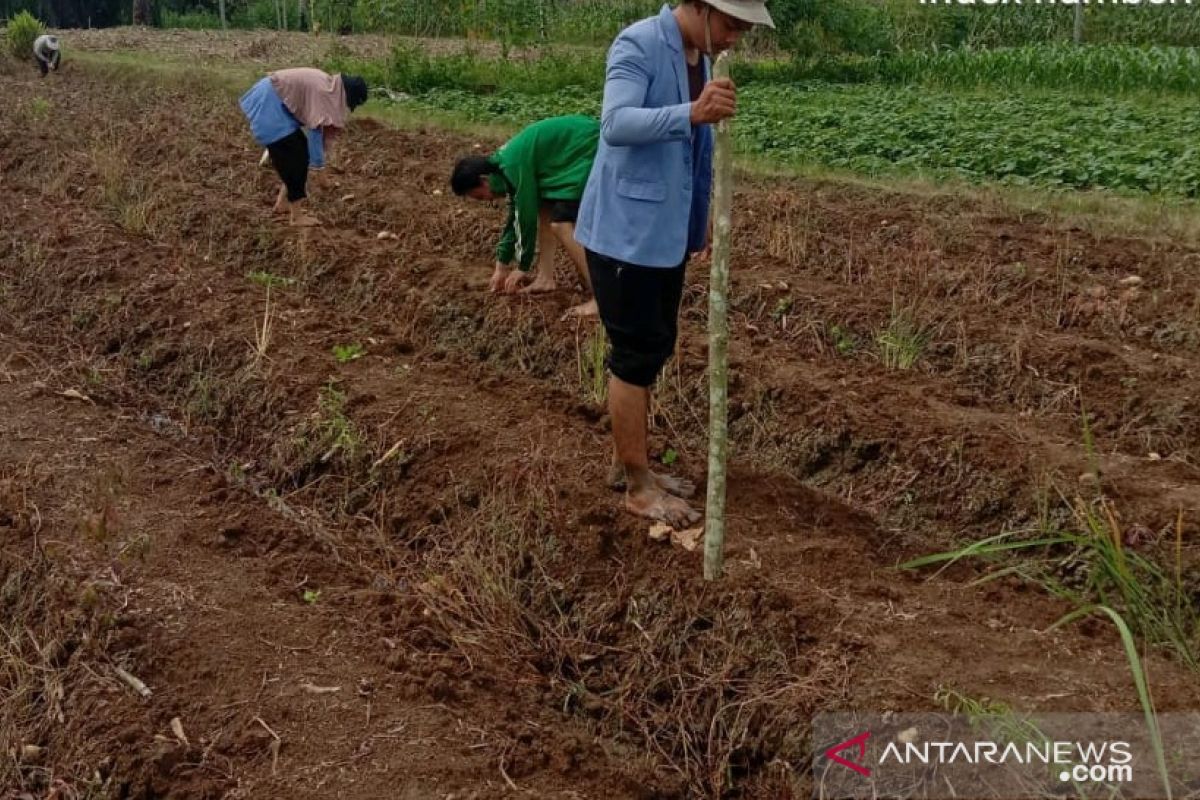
281	108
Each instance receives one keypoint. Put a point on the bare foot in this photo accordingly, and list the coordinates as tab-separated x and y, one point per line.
587	310
280	201
680	487
539	286
616	477
657	505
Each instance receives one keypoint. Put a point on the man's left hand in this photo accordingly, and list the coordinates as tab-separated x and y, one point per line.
500	274
513	281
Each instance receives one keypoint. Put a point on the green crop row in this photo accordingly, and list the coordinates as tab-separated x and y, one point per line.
1050	139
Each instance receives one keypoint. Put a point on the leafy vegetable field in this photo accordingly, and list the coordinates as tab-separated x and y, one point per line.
1048	138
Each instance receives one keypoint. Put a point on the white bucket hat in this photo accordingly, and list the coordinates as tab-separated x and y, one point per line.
752	11
51	42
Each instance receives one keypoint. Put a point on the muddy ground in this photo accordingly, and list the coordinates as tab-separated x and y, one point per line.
399	573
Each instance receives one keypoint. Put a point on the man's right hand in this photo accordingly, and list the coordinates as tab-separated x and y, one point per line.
499	278
717	101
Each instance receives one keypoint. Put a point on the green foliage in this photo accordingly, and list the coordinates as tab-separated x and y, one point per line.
1014	116
74	14
1092	566
809	27
345	353
39	108
1101	68
336	431
204	14
596	21
783	307
1132	145
256	14
508	106
843	339
902	342
1141	681
591	358
269	279
508	21
411	69
191	20
831	27
20	34
804	27
1052	139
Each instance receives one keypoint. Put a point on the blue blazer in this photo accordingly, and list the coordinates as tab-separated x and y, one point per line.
646	201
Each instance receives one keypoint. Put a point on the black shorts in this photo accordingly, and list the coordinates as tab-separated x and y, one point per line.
639	307
563	210
45	66
289	156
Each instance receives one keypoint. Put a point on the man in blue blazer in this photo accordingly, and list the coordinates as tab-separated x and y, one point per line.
645	209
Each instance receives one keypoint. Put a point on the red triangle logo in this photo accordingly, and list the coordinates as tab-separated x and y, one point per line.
860	742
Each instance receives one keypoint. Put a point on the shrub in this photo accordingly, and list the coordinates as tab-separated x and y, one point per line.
21	32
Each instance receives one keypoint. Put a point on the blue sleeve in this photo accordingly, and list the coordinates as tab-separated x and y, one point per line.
316	149
623	119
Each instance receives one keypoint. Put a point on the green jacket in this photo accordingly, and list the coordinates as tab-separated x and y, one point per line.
549	160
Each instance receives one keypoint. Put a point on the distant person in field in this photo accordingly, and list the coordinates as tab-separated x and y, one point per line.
646	208
46	53
542	171
280	107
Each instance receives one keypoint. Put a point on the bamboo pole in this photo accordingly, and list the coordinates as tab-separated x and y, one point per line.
718	342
